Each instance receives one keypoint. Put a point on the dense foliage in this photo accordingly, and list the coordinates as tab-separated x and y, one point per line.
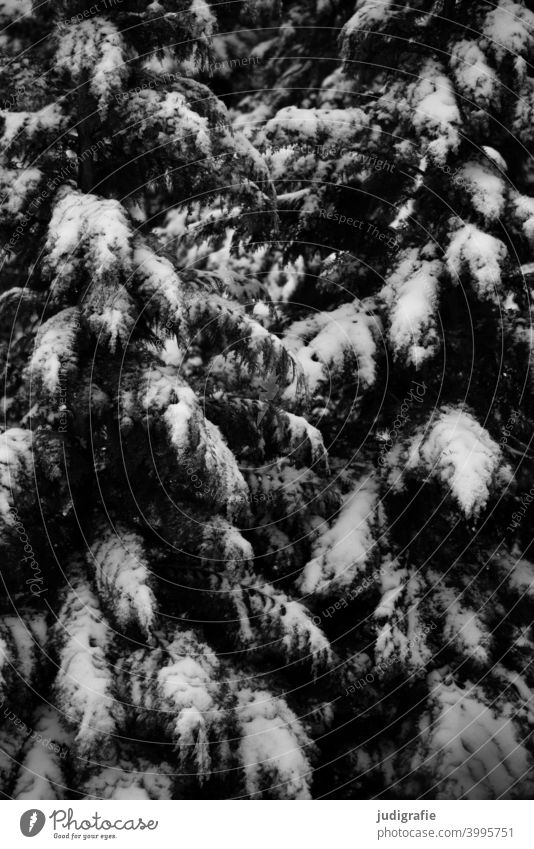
265	462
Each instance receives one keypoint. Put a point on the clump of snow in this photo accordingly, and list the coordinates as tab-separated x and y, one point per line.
87	234
485	187
368	13
402	638
55	356
457	451
159	286
393	585
94	48
481	255
222	542
295	432
123	576
272	747
20	127
137	779
523	210
473	750
16	463
84	683
464	629
411	296
111	313
281	622
176	689
325	342
509	29
315	126
15	10
521	576
17	188
199	443
341	552
475	79
436	116
165	115
40	774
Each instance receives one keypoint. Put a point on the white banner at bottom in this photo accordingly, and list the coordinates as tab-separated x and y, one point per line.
264	825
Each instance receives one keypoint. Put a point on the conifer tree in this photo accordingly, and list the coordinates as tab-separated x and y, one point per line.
139	633
403	178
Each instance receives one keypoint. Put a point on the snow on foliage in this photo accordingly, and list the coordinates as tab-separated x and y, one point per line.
91	236
26	128
475	79
509	29
435	112
160	287
268	618
479	254
299	438
16	463
197	443
273	746
20	651
5	661
469	747
300	636
465	630
123	576
94	49
111	314
87	234
411	297
222	543
84	682
368	14
485	187
170	117
14	10
21	641
521	576
175	690
226	324
315	126
522	208
402	637
17	189
135	779
325	343
341	552
456	450
40	774
55	356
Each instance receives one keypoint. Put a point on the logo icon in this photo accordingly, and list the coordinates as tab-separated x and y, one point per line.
32	822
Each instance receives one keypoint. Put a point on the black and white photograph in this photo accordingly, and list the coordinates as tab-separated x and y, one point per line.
267	412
